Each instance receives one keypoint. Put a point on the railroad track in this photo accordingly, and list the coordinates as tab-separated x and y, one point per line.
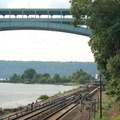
54	109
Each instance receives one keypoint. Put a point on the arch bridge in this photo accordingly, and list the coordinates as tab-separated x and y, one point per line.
40	19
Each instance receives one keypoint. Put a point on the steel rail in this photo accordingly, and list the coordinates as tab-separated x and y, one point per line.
55	110
52	107
59	116
39	107
36	112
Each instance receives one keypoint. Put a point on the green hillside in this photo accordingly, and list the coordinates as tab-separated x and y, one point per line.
8	68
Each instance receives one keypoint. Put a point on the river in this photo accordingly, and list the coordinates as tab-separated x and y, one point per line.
14	95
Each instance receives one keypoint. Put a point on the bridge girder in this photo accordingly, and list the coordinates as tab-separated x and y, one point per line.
53	24
44	26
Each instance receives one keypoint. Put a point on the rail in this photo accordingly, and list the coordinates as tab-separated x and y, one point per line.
46	109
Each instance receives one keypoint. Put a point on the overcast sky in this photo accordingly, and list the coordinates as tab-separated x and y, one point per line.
40	45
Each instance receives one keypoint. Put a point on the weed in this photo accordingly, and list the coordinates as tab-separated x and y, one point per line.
19	108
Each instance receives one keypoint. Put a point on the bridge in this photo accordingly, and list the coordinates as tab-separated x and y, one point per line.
40	19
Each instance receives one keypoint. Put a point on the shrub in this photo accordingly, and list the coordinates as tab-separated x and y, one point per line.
2	111
19	108
43	97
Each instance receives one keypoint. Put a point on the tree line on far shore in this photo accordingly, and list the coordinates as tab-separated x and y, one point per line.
30	76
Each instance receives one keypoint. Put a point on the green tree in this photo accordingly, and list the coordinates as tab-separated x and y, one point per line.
103	18
81	77
15	78
78	73
46	75
42	80
29	73
64	80
49	81
36	77
56	78
113	68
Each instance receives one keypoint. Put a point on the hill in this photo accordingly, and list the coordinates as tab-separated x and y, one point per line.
8	68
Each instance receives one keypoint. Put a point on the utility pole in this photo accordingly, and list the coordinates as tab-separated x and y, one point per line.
100	96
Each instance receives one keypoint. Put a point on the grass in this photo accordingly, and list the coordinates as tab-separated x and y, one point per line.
63	93
118	118
3	112
58	94
70	84
19	108
109	109
43	97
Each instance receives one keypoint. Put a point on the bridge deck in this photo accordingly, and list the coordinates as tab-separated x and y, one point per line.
25	11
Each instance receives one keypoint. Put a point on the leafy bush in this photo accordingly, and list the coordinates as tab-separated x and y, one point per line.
58	94
1	111
43	97
19	108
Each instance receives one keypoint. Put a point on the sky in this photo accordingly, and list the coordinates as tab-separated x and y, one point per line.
39	45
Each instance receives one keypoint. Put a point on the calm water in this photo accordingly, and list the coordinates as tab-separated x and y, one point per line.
14	95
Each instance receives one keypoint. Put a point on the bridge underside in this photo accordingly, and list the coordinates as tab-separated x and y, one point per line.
25	25
40	19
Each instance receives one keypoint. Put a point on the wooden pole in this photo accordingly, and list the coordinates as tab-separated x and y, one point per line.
100	97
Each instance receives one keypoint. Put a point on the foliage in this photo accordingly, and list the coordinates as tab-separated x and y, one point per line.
109	111
113	68
14	78
79	77
59	94
56	78
118	118
1	111
19	108
70	84
103	18
43	97
28	73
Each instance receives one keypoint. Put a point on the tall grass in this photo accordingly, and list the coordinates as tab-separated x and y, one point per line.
107	106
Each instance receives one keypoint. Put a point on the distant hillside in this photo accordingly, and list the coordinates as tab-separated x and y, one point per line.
8	68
